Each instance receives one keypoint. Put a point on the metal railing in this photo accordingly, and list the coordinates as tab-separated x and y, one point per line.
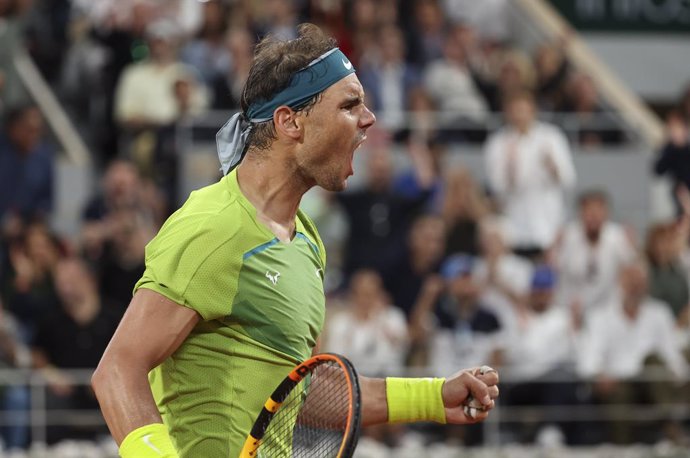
39	417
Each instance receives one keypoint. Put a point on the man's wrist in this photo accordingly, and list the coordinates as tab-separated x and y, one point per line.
149	441
415	399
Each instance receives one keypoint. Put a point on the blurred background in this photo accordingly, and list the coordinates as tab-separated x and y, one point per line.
522	202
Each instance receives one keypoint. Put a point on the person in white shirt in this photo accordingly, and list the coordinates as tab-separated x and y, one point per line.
529	169
505	276
369	331
160	89
589	254
622	340
449	82
541	355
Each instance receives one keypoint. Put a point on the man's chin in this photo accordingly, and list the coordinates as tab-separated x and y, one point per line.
335	186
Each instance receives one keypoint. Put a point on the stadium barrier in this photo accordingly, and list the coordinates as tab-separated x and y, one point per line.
39	419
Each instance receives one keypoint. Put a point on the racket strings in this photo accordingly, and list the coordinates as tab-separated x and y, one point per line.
312	420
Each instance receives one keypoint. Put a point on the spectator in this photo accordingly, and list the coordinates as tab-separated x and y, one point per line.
121	34
28	288
426	32
122	264
668	278
590	253
26	167
369	330
552	69
505	276
73	337
621	340
489	17
423	179
388	79
145	95
674	157
419	259
595	126
227	88
14	399
464	207
46	30
511	73
541	355
277	18
468	332
422	121
207	52
373	334
364	23
379	217
332	18
449	83
123	189
529	169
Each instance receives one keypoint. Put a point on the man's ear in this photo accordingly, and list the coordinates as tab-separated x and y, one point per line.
287	122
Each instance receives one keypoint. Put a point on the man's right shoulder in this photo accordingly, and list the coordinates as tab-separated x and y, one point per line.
209	211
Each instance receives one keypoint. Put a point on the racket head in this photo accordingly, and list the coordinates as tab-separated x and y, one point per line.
314	412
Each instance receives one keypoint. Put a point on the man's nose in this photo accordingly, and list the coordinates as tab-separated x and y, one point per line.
368	118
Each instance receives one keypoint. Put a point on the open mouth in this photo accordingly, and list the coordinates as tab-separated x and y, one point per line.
360	141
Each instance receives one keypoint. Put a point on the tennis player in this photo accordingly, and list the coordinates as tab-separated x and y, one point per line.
232	296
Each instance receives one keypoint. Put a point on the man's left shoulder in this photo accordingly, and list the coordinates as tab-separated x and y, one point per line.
312	233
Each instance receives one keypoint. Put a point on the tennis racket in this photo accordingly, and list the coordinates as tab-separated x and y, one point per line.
314	413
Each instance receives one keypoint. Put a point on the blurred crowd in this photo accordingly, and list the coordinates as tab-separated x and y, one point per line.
431	268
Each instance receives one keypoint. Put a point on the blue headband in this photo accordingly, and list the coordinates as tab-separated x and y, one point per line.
319	75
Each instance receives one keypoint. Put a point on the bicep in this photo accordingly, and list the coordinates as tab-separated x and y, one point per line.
152	329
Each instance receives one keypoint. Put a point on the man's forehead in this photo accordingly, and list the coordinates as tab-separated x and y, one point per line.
346	87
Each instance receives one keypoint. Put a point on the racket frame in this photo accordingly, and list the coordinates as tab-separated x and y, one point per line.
299	373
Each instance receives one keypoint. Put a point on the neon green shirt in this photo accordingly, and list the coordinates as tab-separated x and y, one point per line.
262	307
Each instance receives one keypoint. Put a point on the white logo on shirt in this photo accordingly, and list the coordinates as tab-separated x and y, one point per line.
273	278
147	441
347	64
319	273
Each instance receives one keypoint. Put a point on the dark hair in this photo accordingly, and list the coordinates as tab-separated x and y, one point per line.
275	62
17	113
593	195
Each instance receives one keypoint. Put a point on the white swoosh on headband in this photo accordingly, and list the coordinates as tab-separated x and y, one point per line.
348	65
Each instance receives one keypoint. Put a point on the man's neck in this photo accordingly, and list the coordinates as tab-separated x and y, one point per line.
631	307
523	129
275	190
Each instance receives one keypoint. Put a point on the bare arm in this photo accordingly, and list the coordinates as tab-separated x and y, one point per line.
456	391
151	330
